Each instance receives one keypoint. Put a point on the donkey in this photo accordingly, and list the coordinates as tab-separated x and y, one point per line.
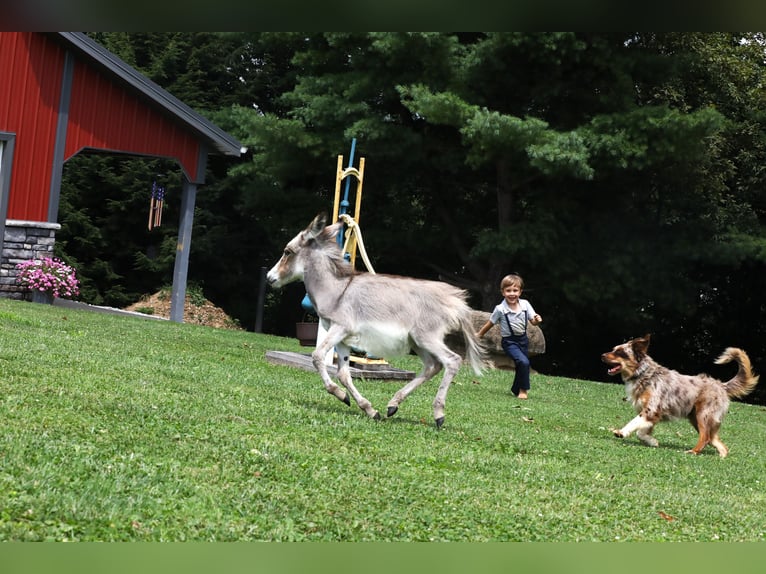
385	315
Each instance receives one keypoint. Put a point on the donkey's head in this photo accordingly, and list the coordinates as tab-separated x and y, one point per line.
292	265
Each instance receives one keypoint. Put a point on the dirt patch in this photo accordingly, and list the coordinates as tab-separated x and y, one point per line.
197	310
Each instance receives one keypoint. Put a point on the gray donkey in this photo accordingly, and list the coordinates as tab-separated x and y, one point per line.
385	315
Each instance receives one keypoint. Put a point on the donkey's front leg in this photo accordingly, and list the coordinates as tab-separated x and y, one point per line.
344	376
333	336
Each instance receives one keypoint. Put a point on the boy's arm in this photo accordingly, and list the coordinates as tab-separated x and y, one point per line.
484	328
535	319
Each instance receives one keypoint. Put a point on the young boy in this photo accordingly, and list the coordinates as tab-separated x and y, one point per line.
513	314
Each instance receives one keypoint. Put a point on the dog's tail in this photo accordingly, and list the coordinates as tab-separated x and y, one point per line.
744	381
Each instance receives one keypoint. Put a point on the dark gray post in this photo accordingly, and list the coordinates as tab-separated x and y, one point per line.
181	269
60	143
261	300
7	142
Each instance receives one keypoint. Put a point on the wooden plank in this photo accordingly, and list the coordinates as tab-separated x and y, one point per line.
303	361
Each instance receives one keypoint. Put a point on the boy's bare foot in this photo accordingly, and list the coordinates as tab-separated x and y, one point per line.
523	394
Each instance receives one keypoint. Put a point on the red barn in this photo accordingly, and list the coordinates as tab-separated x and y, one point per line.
63	93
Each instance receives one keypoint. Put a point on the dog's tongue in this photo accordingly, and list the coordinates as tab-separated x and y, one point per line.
614	370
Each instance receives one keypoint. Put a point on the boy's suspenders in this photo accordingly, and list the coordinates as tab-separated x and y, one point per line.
507	320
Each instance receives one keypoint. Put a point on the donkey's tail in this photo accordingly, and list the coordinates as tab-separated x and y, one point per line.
474	350
744	381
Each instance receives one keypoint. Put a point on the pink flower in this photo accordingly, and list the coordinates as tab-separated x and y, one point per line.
48	275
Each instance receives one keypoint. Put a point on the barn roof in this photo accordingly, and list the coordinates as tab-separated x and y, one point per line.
220	141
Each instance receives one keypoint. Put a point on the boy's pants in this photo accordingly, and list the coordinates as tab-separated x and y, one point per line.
517	348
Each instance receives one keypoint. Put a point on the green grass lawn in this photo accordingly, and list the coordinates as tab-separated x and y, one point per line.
122	429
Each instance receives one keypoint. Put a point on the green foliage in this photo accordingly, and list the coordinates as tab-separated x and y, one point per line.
490	135
561	154
196	295
648	136
176	433
439	108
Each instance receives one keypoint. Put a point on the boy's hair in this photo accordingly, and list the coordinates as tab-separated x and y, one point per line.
512	279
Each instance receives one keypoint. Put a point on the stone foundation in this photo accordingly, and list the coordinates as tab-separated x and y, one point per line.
23	240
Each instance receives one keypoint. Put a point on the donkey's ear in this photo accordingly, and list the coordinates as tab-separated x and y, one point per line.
317	225
331	231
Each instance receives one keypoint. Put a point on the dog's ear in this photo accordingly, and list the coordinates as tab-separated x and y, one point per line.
641	346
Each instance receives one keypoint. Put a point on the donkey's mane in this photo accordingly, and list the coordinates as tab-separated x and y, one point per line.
334	257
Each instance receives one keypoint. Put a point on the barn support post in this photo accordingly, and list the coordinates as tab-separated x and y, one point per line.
181	269
59	144
7	142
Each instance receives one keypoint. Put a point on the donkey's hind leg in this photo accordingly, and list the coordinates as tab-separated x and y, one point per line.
344	376
451	362
430	368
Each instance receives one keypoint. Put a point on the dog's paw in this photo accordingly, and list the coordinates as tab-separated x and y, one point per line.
617	433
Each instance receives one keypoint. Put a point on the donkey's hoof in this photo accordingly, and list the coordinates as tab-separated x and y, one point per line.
391	411
376	416
347	400
439	422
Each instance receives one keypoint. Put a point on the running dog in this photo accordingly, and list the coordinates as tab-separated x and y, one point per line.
661	394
